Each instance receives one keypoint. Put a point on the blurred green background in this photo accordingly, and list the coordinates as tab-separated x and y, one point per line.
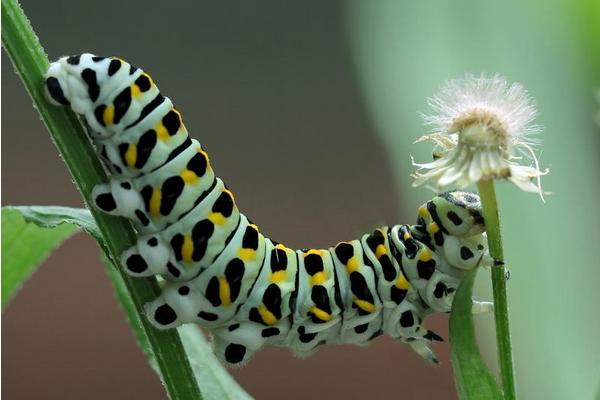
309	110
404	50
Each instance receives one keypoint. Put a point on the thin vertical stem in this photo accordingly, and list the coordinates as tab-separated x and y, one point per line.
492	222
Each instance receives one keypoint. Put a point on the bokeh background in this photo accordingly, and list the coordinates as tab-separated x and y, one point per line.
308	110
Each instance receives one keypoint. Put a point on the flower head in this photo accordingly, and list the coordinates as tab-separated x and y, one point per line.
482	128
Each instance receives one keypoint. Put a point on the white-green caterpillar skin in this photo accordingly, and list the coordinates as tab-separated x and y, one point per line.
222	273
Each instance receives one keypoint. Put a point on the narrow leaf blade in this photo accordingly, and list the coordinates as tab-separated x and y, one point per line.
217	383
473	379
133	318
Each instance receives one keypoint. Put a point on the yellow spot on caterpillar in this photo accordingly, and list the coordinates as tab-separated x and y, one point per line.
266	315
217	218
423	213
318	279
161	132
131	155
155	201
189	177
380	251
187	249
314	251
425	255
247	254
364	305
352	264
402	283
224	291
407	236
108	116
281	246
322	315
433	227
277	276
135	90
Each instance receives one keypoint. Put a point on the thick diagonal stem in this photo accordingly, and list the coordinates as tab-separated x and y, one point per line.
30	62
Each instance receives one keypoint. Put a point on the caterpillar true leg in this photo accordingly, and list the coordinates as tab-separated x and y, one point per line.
221	272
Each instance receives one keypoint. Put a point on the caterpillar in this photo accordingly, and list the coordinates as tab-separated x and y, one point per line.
221	272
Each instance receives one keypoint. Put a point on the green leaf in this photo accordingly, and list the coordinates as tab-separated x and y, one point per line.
53	216
216	382
473	379
24	247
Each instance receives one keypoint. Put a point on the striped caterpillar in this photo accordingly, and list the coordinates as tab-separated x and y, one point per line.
221	272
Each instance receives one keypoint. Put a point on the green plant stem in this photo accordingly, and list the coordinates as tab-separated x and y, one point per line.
492	222
75	148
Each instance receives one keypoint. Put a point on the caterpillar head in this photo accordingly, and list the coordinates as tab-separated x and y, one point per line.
457	212
75	82
65	86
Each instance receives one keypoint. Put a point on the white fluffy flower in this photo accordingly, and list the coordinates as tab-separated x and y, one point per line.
482	128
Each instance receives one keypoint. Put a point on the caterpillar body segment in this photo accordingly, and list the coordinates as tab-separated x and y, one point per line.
220	271
357	280
182	250
212	299
157	199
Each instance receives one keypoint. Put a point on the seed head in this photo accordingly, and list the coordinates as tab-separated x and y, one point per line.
482	128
